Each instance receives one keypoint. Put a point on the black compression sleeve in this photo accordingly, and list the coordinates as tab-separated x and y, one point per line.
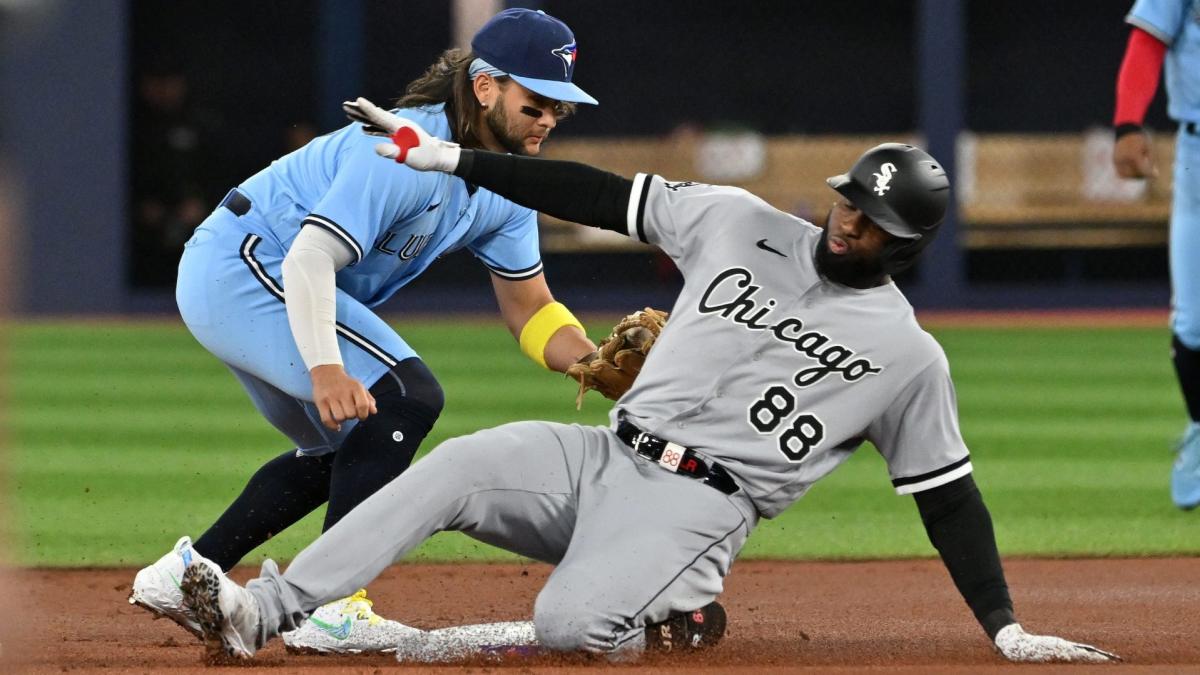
960	528
568	190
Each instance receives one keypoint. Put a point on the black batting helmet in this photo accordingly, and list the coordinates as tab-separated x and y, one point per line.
904	191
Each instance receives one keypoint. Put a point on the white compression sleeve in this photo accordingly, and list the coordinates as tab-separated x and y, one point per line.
310	287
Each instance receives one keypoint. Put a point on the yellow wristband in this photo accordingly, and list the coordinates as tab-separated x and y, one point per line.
541	326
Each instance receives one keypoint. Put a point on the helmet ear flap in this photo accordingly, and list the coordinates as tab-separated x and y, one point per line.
900	254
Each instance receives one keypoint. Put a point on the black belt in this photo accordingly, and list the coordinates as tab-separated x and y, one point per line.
1192	128
675	458
236	202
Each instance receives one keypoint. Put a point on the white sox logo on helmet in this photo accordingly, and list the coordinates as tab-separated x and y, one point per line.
883	179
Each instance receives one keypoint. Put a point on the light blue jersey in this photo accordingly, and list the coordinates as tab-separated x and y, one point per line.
1177	24
396	221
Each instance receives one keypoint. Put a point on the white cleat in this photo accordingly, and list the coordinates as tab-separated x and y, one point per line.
156	587
347	626
227	613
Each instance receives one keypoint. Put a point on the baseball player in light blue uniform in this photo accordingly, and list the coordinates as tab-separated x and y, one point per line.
1169	31
280	280
394	225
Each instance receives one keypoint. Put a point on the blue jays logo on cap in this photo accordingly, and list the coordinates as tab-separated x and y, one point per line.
533	48
568	55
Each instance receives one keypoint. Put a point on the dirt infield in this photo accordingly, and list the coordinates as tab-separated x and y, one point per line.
784	617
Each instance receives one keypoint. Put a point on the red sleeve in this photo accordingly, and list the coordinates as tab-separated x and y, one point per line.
1138	78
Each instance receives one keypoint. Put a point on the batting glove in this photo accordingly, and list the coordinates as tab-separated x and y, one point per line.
410	144
1017	645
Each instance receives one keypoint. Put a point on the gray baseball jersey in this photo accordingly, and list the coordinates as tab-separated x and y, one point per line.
774	372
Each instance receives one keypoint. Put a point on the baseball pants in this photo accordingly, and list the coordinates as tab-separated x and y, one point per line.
632	542
1185	241
230	295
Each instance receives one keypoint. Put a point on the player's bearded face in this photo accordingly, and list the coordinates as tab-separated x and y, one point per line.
498	124
851	249
521	120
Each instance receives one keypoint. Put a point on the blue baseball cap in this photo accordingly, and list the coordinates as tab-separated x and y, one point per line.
534	49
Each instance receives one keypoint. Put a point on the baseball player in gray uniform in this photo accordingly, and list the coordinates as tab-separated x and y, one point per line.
788	347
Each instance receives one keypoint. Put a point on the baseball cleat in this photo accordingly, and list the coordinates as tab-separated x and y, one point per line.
347	626
699	629
1185	473
156	587
227	613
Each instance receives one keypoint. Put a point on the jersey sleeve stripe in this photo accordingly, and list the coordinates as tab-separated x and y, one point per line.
641	212
932	479
637	207
337	230
1150	28
516	275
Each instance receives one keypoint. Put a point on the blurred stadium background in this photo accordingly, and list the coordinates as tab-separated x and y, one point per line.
122	122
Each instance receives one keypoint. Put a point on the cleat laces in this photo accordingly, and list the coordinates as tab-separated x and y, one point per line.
359	607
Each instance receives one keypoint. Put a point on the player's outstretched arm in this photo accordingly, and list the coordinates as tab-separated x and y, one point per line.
960	528
568	190
1136	84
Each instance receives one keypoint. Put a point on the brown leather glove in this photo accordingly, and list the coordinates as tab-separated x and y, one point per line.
613	367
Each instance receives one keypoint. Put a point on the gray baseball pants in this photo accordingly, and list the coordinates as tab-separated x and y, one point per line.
631	541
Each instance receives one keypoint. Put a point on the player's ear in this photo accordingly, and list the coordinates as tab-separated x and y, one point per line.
486	88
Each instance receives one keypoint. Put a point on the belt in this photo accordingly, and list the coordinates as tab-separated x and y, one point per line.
236	202
1191	127
676	458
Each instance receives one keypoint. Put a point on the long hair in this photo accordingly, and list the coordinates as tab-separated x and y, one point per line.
449	81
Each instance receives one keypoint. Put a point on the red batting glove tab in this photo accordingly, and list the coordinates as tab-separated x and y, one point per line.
1138	78
405	139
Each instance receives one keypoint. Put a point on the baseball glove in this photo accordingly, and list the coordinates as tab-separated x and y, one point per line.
613	367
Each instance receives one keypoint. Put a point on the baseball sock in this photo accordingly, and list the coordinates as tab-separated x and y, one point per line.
379	448
280	493
1187	369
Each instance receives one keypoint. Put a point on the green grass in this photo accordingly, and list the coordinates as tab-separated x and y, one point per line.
122	436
